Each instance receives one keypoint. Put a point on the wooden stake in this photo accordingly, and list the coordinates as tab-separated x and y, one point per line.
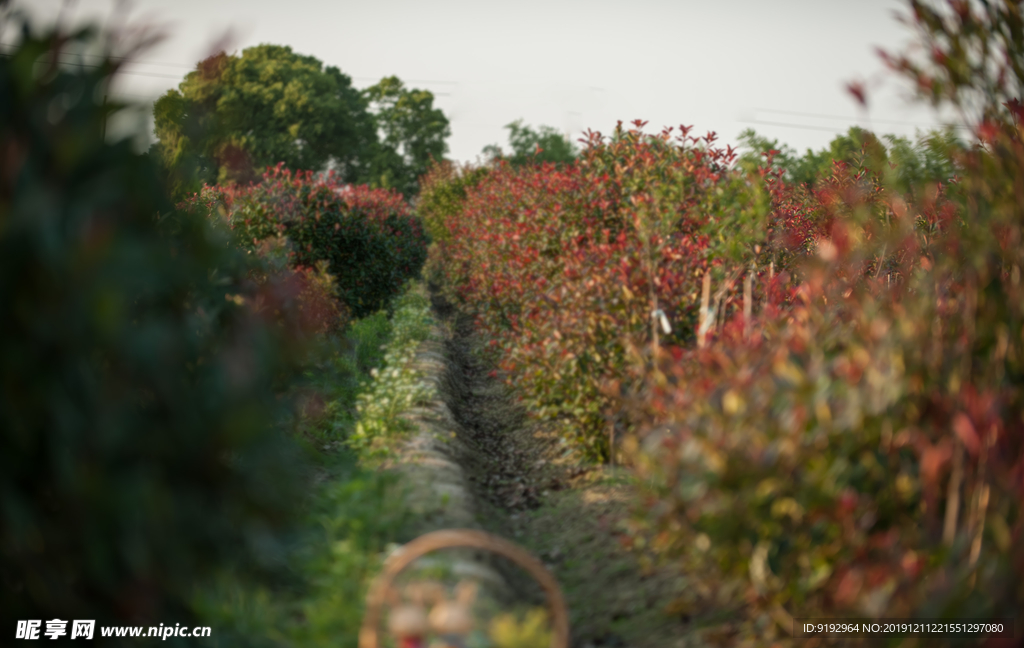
611	444
748	285
953	496
981	490
705	315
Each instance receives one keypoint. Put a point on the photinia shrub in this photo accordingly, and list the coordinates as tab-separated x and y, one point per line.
860	452
564	266
368	238
829	421
443	190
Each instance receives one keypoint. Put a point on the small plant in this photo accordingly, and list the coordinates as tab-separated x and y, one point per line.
396	386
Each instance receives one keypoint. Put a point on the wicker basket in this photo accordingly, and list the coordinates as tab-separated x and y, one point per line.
462	539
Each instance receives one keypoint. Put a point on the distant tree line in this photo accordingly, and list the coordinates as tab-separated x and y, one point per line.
528	145
235	115
905	162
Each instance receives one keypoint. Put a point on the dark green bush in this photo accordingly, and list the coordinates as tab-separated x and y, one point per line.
137	390
368	237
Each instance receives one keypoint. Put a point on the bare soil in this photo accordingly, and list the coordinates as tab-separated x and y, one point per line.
532	488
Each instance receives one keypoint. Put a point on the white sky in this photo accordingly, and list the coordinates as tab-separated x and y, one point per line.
779	66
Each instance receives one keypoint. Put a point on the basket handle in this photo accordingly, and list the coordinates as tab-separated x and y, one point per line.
462	538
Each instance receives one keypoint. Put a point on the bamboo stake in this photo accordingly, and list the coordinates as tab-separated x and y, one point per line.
611	444
953	493
980	523
748	284
953	496
981	505
705	316
720	306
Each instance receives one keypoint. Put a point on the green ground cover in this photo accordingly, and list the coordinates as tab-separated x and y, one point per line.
355	511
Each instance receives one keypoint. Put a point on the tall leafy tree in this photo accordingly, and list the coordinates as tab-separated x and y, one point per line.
234	115
904	162
545	144
412	134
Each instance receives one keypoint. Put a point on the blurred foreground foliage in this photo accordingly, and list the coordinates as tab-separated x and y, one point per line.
140	436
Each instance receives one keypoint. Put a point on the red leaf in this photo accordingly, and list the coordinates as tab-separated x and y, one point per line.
856	88
987	131
965	430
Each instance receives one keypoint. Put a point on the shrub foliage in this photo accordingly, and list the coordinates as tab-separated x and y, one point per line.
829	418
368	238
564	265
137	390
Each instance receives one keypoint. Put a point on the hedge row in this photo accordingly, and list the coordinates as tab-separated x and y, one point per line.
371	242
564	266
821	389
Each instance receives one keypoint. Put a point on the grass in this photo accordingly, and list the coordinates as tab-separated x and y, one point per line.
397	386
614	598
327	414
348	407
317	598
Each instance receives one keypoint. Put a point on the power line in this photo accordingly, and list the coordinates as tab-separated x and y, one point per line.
830	129
191	68
406	80
119	58
155	75
846	118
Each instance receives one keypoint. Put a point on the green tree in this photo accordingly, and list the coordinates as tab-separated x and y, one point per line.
545	144
412	134
806	168
234	115
903	162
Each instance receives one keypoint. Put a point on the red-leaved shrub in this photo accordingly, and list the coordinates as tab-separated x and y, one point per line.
565	266
834	425
369	239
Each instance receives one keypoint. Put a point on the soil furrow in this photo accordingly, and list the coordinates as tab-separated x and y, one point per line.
528	486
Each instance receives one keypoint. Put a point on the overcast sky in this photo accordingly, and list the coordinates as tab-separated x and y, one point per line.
778	66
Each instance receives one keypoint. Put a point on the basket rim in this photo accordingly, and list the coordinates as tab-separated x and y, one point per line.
462	539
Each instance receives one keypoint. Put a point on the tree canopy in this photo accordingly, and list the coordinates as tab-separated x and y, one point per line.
412	134
545	144
235	115
906	163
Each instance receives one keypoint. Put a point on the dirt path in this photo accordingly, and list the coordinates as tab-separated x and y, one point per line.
530	487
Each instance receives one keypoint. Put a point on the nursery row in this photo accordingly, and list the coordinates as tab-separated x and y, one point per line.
819	384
